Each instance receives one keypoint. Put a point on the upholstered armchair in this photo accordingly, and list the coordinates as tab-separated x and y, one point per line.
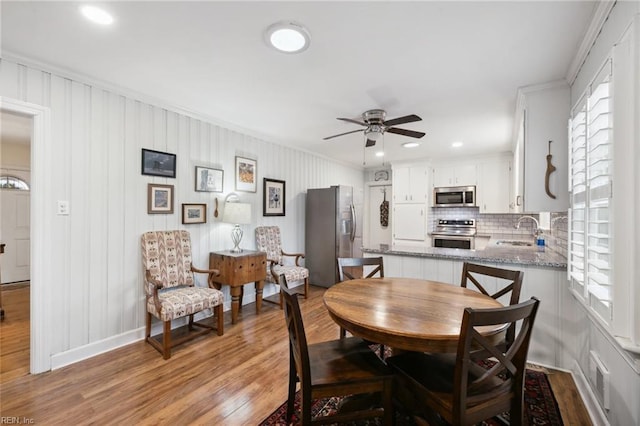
170	288
268	240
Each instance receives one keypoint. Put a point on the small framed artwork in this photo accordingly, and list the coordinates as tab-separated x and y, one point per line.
246	174
273	197
194	213
209	180
159	199
156	163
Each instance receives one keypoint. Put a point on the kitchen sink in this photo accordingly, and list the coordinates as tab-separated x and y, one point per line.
517	243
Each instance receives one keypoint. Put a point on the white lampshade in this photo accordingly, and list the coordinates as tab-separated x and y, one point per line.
237	213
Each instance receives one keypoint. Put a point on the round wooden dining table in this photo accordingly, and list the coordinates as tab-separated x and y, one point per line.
406	313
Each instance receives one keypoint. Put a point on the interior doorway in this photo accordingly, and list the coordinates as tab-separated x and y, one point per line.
15	235
379	216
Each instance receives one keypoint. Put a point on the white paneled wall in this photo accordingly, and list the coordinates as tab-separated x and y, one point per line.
94	162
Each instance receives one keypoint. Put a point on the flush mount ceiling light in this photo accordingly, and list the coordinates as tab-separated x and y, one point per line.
410	144
96	15
380	154
288	37
456	144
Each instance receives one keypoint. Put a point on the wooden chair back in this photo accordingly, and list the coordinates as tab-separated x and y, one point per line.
472	272
479	394
350	268
333	368
298	349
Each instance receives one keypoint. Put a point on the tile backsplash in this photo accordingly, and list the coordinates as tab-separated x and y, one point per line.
504	224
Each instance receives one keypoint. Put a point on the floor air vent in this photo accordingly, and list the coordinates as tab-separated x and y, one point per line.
599	376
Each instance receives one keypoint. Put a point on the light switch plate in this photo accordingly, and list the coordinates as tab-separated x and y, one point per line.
63	207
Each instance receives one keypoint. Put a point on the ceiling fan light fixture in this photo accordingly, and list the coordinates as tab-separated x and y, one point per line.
373	132
288	37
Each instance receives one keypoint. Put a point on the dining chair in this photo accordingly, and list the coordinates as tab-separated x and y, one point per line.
350	268
335	368
170	288
465	389
506	281
268	239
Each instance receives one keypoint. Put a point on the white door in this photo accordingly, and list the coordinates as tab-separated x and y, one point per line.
377	232
15	216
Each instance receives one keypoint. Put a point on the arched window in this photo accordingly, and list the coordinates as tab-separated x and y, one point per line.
11	182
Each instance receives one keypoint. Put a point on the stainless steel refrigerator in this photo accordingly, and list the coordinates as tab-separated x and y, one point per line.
329	232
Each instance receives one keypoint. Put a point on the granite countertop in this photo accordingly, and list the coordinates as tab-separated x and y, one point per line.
493	252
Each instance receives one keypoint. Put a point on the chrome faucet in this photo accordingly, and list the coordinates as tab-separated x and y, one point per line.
537	232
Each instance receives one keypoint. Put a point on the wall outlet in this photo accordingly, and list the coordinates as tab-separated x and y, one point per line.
63	208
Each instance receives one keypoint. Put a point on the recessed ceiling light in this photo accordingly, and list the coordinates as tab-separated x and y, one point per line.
288	37
96	15
410	144
380	154
456	144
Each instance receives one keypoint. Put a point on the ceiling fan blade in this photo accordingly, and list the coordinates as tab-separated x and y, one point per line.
402	120
405	132
370	142
342	134
353	121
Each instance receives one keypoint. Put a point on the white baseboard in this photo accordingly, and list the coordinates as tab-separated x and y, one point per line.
87	351
588	397
81	353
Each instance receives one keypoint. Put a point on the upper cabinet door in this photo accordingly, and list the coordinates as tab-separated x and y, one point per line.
410	184
462	175
545	145
493	188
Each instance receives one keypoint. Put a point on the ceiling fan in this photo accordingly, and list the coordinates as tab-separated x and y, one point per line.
375	126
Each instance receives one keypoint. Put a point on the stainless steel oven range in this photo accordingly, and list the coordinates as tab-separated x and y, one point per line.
454	233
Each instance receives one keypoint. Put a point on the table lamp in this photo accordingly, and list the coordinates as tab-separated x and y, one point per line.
238	214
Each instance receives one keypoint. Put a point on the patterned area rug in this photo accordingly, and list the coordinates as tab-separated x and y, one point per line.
541	407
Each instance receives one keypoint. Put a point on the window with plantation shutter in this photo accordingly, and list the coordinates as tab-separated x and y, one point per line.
591	163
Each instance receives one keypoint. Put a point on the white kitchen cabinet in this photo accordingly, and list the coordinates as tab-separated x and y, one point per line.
543	116
493	189
409	222
410	184
458	175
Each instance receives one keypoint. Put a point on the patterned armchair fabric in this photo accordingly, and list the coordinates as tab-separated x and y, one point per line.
268	240
169	283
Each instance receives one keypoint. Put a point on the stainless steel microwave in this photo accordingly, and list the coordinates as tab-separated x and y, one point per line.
458	196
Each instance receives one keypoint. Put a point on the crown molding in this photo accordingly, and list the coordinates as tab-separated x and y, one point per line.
600	15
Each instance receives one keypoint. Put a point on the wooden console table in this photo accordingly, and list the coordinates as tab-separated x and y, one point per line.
237	269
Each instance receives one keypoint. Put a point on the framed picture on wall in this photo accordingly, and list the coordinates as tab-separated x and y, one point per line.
159	199
209	180
156	163
273	197
194	213
246	174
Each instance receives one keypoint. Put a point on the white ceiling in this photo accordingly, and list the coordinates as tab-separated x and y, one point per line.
456	64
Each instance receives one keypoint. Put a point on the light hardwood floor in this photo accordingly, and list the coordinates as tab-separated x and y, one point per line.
235	379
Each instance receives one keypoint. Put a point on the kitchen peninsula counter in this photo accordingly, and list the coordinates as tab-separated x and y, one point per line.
545	277
491	253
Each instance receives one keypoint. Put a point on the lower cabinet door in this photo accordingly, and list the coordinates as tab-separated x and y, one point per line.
409	222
